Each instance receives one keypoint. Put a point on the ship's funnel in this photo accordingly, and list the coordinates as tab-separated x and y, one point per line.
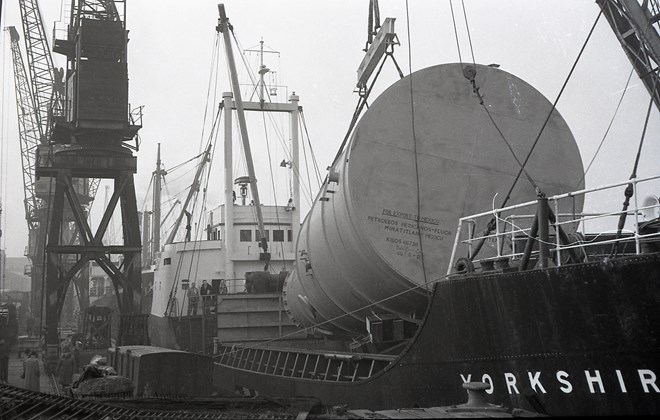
382	228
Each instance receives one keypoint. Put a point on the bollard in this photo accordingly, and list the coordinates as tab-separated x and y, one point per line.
477	400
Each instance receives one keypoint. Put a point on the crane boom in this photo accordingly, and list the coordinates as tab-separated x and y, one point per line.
636	27
28	128
40	64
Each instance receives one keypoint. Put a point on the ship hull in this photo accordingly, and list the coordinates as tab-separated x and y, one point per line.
582	339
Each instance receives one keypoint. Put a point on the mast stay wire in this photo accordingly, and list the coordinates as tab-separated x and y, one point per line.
311	150
189	171
213	76
314	164
554	106
146	194
491	223
215	57
175	167
467	28
609	126
458	45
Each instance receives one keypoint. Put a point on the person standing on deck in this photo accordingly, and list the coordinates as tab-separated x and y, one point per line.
193	297
31	372
205	291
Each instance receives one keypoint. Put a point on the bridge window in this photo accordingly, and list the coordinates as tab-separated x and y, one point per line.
289	236
167	261
246	235
278	235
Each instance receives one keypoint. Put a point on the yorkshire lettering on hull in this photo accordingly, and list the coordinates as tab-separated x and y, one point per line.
594	381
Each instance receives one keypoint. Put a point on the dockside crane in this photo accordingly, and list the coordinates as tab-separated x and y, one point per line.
70	144
92	138
39	96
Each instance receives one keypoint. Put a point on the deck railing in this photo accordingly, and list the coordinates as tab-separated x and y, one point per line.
560	236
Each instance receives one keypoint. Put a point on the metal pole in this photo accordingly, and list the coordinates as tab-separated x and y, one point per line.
155	235
229	188
542	216
529	244
240	113
262	99
295	166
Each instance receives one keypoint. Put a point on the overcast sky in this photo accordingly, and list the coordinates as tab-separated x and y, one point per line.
320	44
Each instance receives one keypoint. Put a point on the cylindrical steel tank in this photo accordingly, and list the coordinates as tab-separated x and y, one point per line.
382	228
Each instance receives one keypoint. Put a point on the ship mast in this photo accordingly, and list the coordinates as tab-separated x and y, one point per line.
224	27
155	223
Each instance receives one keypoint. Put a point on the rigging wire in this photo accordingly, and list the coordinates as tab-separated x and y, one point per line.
554	106
475	89
470	75
415	155
194	168
458	45
305	190
311	150
213	75
630	188
467	28
491	223
146	194
214	71
175	167
609	126
266	104
202	213
309	181
272	180
205	175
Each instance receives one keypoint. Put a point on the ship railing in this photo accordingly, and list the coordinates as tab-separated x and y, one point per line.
303	364
566	236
